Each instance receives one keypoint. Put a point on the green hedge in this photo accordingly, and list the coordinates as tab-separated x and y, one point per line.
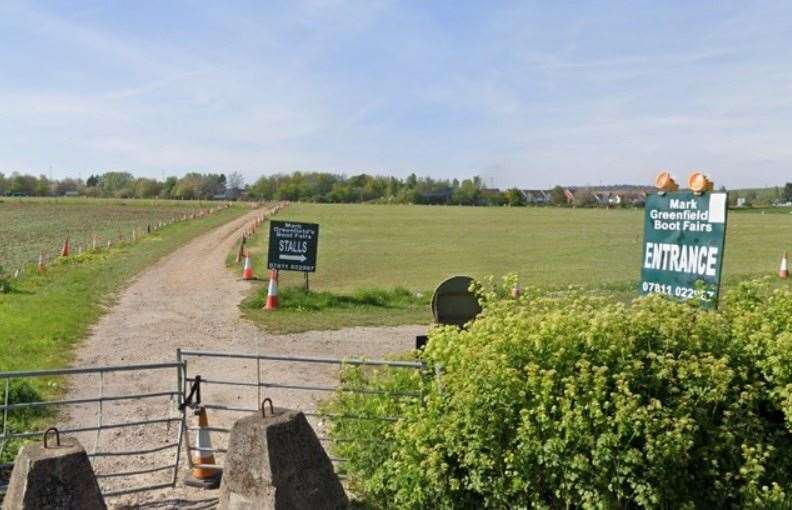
571	400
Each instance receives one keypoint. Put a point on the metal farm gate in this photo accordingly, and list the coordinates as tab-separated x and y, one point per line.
101	409
134	435
260	376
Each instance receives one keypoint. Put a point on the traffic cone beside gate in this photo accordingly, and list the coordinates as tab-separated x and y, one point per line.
272	292
247	273
65	250
783	271
201	476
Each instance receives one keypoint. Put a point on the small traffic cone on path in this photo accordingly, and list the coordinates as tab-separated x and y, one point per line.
247	273
65	249
201	475
783	271
272	292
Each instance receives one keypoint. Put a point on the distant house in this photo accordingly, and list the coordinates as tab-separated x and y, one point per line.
619	198
631	198
536	196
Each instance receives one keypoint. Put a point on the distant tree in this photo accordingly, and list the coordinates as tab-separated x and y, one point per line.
394	185
67	185
195	186
42	187
514	197
468	193
92	181
322	183
235	181
21	184
264	188
786	195
116	183
167	187
3	185
147	188
584	197
557	196
91	191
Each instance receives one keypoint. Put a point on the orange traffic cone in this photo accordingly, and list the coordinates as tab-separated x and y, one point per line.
783	271
272	292
247	273
65	250
203	473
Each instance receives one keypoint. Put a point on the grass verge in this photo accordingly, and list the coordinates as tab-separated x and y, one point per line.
46	314
303	311
323	310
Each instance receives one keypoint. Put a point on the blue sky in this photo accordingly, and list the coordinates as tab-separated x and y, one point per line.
525	93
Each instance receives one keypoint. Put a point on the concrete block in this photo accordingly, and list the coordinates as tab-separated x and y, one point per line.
277	463
57	477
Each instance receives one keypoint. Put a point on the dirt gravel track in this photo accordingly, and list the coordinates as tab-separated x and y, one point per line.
190	300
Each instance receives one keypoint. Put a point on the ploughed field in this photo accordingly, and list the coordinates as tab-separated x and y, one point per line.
383	246
29	226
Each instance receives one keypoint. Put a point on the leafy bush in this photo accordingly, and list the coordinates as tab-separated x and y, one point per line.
570	400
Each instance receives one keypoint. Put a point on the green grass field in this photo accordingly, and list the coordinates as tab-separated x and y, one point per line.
29	226
416	247
47	313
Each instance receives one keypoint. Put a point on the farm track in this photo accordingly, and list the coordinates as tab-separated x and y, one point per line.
190	300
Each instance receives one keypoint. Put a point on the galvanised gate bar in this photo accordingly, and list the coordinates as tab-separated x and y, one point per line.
171	430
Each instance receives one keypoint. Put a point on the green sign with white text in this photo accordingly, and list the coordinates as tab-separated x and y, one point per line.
684	240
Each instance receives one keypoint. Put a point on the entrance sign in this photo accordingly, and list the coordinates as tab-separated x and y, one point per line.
684	240
292	246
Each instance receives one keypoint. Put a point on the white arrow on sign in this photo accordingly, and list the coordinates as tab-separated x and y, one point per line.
299	258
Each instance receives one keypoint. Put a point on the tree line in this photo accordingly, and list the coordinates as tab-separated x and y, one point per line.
334	188
324	187
191	186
